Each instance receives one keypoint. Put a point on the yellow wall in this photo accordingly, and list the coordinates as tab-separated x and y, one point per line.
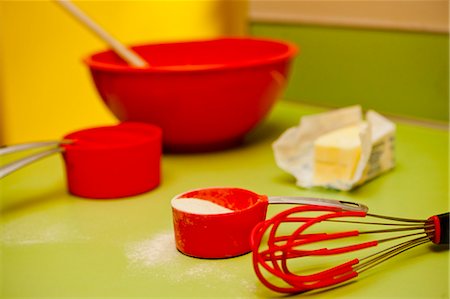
46	91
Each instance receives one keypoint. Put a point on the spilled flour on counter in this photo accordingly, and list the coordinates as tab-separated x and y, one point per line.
158	250
38	228
198	206
157	256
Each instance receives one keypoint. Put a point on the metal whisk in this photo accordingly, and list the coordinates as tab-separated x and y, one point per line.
276	257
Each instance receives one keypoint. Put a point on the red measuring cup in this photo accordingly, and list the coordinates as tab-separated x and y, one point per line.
113	161
228	234
105	162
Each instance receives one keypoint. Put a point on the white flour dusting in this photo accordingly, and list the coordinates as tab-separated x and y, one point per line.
37	229
158	256
158	250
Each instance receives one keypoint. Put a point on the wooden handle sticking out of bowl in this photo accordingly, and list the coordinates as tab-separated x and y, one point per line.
125	53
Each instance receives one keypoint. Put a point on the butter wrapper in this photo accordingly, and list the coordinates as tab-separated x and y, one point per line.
294	149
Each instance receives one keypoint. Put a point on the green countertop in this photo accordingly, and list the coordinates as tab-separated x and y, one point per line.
57	245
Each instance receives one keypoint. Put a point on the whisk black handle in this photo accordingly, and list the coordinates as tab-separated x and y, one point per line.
444	227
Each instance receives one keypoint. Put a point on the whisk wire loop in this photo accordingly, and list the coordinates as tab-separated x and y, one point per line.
273	259
268	259
371	261
399	219
401	229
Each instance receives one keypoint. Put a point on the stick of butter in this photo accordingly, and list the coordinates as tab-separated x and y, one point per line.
336	154
337	149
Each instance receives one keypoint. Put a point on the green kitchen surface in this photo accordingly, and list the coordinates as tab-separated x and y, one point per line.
55	245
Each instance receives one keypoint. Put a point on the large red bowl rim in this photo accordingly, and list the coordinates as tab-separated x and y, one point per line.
291	51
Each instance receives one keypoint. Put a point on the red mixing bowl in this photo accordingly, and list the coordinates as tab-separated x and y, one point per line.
205	95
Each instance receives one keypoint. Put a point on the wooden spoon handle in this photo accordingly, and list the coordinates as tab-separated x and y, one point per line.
126	54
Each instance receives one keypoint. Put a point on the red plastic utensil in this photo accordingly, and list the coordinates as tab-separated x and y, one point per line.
219	236
113	161
274	259
228	235
205	95
104	162
295	235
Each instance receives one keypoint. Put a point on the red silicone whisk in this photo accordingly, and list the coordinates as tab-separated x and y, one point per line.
273	259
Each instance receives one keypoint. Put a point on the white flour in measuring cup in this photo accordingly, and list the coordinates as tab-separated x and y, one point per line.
198	206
